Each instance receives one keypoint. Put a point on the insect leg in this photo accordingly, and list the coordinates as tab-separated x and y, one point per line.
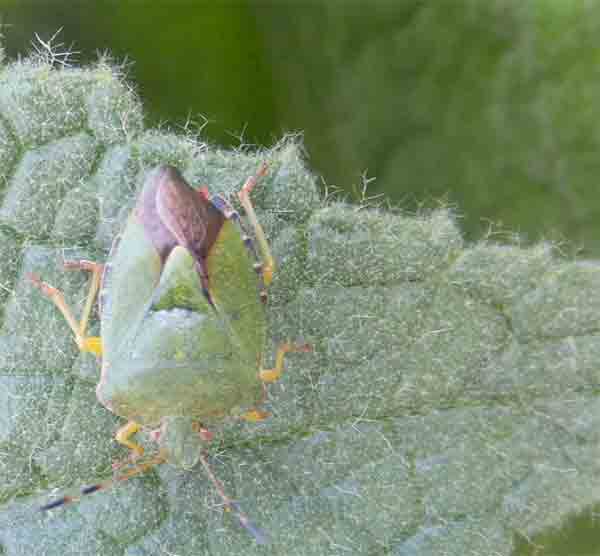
96	270
244	196
91	344
271	375
256	415
124	435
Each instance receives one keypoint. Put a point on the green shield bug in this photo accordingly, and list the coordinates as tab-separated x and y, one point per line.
182	324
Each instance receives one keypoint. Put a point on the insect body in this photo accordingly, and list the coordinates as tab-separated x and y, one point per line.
182	322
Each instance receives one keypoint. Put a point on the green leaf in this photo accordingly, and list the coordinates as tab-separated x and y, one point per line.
449	405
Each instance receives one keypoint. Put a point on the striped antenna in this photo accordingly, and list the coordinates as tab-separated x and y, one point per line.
137	469
259	536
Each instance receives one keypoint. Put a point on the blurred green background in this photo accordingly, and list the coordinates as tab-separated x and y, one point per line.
492	105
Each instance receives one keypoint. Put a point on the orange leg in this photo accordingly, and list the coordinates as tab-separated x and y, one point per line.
124	435
271	375
256	415
91	344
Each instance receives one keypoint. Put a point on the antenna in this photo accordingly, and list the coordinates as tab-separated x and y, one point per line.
232	506
138	469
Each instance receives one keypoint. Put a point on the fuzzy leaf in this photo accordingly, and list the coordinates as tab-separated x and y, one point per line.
449	404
